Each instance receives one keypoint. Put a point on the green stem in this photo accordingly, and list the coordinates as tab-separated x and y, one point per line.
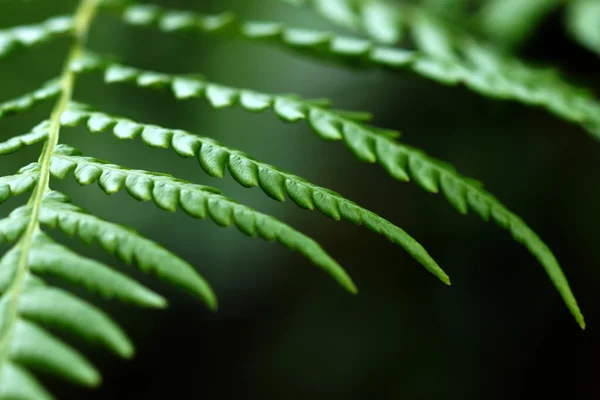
83	20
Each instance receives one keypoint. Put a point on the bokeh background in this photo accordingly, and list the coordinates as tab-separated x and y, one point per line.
284	330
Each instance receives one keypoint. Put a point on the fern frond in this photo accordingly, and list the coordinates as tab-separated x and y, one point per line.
38	134
57	213
197	201
26	300
28	344
58	261
326	122
463	193
13	226
31	346
215	158
26	36
24	103
583	21
30	309
61	310
400	161
24	181
24	296
441	55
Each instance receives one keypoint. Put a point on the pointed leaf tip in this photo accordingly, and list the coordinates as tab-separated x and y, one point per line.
446	279
212	303
580	320
344	279
158	302
352	288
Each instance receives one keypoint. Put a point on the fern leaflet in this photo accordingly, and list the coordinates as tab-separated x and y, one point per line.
400	161
23	37
215	159
23	103
198	201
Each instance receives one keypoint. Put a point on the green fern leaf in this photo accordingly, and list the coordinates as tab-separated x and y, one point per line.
400	161
20	183
26	298
215	159
33	347
24	343
24	103
197	201
55	260
12	227
16	143
17	383
61	310
329	124
126	244
441	55
30	309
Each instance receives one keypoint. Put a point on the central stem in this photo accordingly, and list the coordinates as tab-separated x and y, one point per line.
82	22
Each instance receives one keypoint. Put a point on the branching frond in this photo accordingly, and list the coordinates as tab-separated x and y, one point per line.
58	261
215	159
441	52
27	305
197	201
30	309
402	162
28	345
126	244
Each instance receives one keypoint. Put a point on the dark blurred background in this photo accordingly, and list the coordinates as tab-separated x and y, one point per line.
284	330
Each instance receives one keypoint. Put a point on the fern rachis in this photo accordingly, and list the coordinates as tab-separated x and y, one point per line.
439	53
